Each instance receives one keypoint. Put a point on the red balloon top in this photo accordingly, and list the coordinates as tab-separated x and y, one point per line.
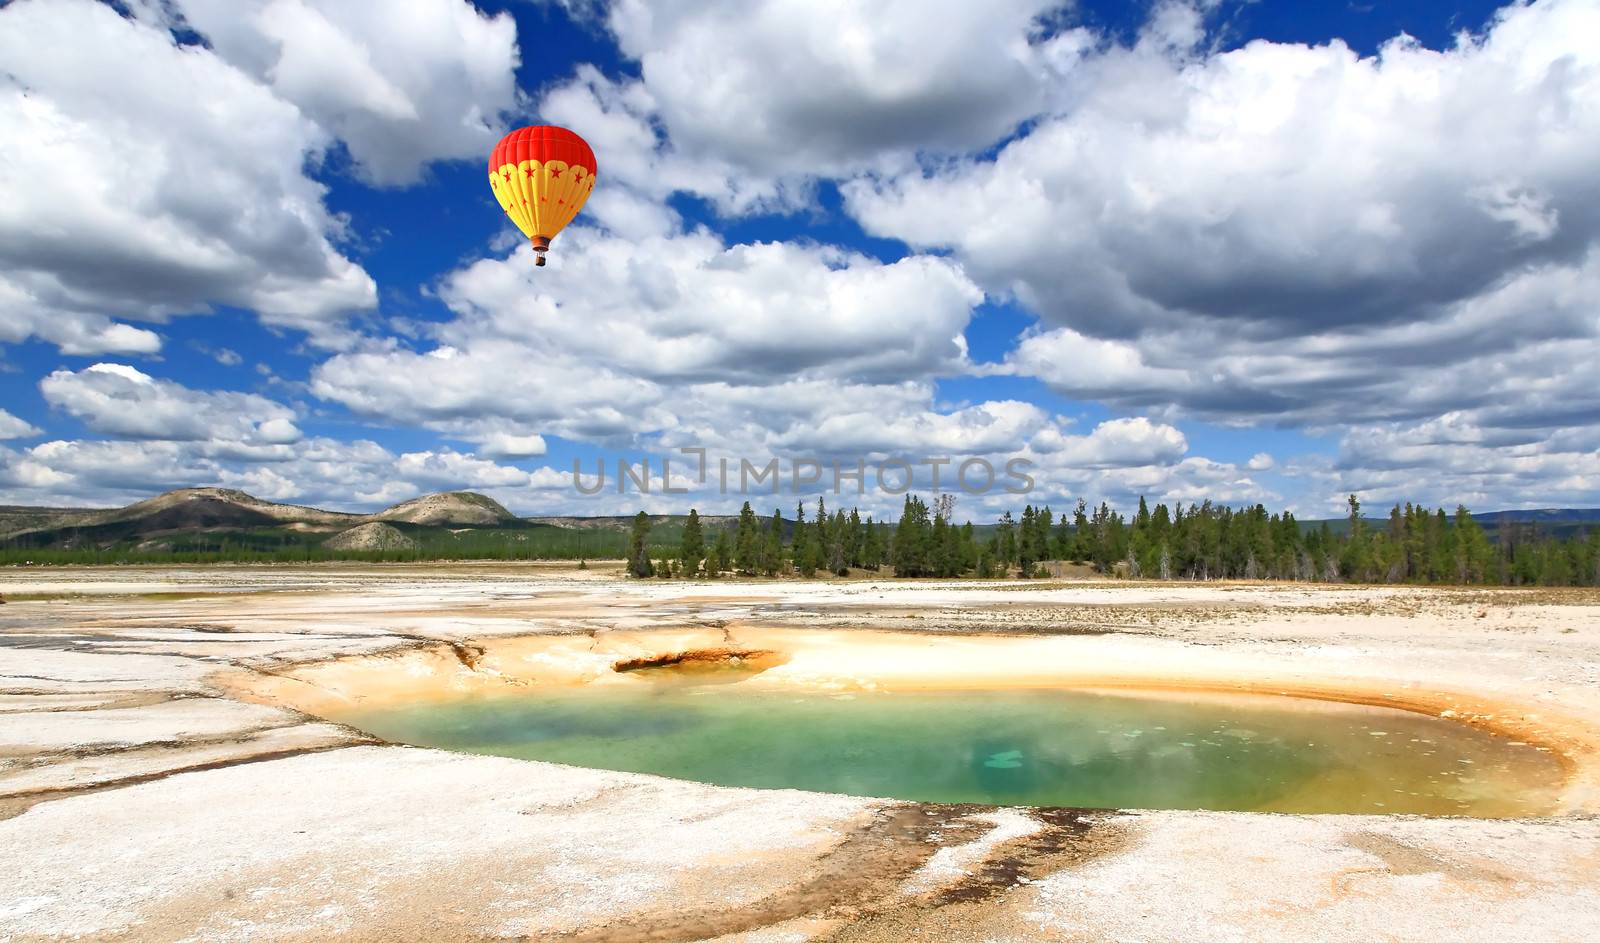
542	143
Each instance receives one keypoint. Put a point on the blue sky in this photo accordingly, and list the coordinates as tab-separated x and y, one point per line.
1264	251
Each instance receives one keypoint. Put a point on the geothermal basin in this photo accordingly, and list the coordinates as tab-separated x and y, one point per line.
516	752
932	719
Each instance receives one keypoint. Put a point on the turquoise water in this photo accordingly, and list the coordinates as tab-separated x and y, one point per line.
1042	748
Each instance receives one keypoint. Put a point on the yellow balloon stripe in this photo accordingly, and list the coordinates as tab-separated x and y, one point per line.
541	199
501	185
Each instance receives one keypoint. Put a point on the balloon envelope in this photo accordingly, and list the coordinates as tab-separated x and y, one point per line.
542	176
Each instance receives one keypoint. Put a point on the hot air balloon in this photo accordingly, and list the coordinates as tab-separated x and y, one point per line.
541	175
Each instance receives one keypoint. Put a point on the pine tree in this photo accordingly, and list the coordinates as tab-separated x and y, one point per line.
1063	543
1005	542
855	540
693	547
1355	563
912	538
747	543
772	546
1025	557
1473	556
800	548
985	566
638	554
1080	549
874	549
836	559
721	559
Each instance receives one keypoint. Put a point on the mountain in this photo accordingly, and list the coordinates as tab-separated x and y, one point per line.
216	507
184	511
372	535
465	508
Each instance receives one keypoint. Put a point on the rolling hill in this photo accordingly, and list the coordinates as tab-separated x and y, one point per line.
449	508
210	524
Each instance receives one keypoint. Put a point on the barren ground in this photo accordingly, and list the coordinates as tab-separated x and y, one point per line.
164	775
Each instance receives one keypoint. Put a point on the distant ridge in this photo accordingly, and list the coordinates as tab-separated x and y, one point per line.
213	520
625	521
1551	522
224	505
448	507
1543	515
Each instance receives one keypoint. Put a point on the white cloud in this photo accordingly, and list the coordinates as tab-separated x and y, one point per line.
506	445
1093	367
128	198
1423	463
862	427
626	338
454	390
640	167
1402	251
1280	183
753	352
785	87
1195	479
120	400
358	475
400	84
692	307
444	470
12	427
1118	443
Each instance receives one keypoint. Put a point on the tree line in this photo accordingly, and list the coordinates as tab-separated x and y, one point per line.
1203	541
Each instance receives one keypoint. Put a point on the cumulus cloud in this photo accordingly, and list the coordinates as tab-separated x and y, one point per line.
126	199
753	352
642	166
1515	355
692	307
1285	189
507	445
452	389
1451	459
747	105
1118	443
401	85
443	470
120	400
784	87
12	427
1299	235
863	429
664	335
1399	251
356	475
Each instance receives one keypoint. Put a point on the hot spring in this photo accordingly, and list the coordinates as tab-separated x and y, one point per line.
1050	747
